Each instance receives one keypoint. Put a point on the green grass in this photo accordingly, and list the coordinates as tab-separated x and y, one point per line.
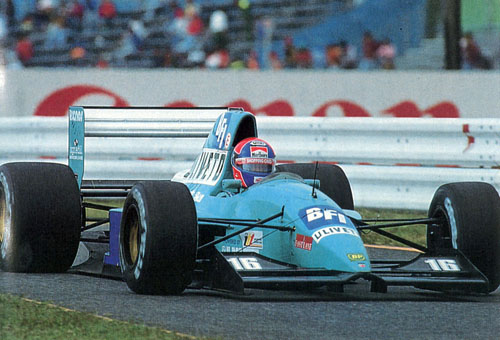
26	319
414	233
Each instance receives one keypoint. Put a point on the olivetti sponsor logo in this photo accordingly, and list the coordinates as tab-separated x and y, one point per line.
75	115
330	231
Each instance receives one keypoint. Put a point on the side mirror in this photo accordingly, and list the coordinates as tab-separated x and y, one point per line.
312	182
353	214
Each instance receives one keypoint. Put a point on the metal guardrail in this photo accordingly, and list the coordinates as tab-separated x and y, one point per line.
391	163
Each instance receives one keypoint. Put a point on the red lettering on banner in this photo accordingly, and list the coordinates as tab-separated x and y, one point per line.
349	109
180	103
443	110
409	109
58	102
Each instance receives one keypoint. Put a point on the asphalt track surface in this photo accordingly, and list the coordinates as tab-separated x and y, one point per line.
402	313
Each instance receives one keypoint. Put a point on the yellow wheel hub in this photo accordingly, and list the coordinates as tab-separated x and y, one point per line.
133	241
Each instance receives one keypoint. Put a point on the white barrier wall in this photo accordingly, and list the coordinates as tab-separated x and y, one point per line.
391	163
288	93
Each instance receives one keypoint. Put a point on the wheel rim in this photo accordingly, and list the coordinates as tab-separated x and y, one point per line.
3	213
133	241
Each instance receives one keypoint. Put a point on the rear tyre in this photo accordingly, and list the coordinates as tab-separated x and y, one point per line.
472	214
40	217
158	238
333	181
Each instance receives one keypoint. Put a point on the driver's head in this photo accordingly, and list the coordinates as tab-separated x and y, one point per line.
252	160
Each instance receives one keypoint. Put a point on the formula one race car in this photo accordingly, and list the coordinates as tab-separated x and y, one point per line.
209	228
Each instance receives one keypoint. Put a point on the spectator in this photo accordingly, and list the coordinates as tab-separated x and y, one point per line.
471	54
304	58
252	61
10	12
244	7
45	10
3	30
27	24
195	24
349	56
386	53
151	9
107	12
290	53
57	35
218	59
139	33
77	55
334	55
126	47
102	62
74	15
218	29
190	7
370	46
90	14
24	49
275	61
263	40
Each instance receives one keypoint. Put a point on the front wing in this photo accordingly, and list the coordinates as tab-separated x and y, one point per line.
450	271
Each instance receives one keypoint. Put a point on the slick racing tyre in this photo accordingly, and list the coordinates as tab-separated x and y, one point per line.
158	238
333	181
471	211
40	217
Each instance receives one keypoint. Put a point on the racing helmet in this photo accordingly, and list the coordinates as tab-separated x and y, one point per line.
252	160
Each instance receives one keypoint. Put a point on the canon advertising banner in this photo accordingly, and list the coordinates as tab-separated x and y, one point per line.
273	93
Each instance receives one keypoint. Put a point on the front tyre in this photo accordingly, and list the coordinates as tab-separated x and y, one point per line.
471	211
158	238
40	217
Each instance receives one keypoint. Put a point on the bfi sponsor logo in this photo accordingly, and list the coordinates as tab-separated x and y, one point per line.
220	131
330	231
318	216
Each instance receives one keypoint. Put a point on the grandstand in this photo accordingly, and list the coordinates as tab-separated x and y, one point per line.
313	25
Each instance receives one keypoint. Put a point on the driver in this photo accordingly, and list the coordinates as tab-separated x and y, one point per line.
252	160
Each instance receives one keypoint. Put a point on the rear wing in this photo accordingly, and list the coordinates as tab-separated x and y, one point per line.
149	122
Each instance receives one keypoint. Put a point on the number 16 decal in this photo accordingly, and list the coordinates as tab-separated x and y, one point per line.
244	263
443	265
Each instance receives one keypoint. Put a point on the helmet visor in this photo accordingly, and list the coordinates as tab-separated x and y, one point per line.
259	165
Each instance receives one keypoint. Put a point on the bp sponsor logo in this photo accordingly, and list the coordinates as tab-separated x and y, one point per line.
318	216
356	257
331	231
